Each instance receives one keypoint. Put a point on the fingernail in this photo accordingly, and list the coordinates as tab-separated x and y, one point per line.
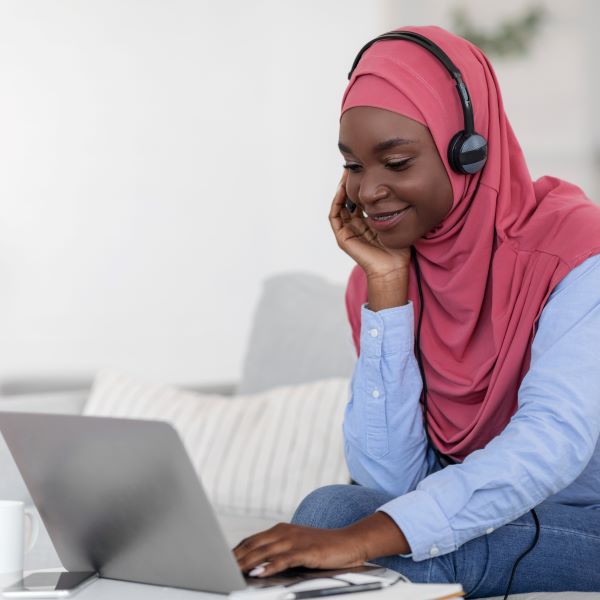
257	571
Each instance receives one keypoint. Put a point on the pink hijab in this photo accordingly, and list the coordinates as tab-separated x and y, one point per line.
489	267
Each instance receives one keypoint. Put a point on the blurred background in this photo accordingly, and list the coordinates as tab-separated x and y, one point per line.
160	159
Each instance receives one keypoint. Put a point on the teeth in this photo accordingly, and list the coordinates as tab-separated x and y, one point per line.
388	217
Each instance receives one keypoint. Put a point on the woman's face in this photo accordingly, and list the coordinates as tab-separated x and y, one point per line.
393	164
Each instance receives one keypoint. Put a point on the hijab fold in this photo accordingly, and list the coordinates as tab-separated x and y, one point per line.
488	268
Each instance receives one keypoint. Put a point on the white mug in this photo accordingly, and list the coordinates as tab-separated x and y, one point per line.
13	541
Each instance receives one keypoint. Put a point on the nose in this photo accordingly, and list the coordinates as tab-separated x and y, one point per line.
370	190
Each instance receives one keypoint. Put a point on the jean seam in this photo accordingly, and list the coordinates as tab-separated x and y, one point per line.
472	593
429	570
556	529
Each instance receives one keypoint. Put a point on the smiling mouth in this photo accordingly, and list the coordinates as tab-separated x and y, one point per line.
382	215
387	216
387	221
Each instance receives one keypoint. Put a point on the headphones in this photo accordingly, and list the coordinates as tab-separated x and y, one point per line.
467	151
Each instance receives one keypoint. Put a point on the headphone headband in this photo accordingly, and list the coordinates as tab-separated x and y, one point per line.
467	151
426	43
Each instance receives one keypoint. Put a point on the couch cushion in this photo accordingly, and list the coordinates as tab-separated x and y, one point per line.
257	455
300	333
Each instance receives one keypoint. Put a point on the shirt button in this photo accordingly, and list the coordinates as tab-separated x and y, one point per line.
374	332
434	551
489	530
375	394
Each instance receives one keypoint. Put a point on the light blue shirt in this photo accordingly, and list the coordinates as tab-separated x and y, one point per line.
548	450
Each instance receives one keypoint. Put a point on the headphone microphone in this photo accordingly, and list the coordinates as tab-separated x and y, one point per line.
467	150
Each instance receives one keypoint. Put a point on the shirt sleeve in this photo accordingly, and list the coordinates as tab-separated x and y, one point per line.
545	446
384	437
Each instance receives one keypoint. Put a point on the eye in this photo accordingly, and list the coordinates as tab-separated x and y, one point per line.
398	165
351	167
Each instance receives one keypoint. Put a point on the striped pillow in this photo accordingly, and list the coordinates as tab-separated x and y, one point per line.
257	454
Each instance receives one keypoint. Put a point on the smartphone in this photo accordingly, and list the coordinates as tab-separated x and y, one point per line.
49	584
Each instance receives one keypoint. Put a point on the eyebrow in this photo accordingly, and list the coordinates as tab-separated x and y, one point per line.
391	143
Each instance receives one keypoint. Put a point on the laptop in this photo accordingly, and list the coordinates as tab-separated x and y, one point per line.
120	497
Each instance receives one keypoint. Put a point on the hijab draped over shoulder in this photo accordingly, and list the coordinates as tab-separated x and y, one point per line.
488	268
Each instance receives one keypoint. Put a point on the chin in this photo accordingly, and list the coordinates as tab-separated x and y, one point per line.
395	242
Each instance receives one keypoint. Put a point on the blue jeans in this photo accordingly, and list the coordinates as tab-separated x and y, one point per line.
566	556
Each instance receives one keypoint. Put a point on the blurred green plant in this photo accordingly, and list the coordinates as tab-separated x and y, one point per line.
512	37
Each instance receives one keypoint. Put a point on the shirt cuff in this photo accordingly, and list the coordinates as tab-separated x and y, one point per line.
423	523
387	331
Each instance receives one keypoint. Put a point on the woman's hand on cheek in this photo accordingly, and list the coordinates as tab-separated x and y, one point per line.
285	546
356	239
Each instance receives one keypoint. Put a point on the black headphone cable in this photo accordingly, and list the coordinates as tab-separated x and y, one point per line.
442	458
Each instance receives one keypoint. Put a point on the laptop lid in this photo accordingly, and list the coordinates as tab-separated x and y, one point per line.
121	497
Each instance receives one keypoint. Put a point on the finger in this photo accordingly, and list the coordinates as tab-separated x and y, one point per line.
346	216
340	216
340	192
243	547
363	231
284	561
258	540
240	544
266	553
258	569
337	204
357	229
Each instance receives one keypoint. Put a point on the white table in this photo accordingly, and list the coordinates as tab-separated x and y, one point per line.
111	589
104	589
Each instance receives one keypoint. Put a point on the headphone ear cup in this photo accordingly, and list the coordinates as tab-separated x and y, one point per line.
454	150
467	153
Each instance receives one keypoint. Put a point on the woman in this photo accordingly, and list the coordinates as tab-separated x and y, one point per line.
496	409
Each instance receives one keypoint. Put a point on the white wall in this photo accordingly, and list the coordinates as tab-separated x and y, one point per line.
159	159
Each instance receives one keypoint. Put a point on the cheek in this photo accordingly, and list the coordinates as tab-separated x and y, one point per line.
412	188
445	195
416	188
432	191
442	187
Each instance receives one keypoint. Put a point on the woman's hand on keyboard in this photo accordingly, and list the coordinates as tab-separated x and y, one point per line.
285	546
